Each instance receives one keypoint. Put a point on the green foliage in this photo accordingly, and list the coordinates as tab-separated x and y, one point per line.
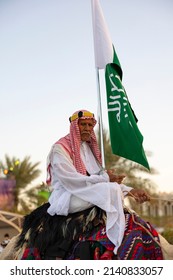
24	172
137	176
135	173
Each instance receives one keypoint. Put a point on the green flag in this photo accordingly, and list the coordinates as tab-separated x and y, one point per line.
126	139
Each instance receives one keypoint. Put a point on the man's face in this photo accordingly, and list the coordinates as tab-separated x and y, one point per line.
85	127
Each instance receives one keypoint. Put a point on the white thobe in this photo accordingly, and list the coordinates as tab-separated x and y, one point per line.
73	192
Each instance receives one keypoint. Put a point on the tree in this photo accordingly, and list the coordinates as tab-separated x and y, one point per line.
24	172
137	176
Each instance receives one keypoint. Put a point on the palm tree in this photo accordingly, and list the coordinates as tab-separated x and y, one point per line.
24	173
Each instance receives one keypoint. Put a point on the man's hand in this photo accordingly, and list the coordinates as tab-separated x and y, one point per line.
139	195
115	178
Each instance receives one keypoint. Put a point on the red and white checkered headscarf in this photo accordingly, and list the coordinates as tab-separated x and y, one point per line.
72	141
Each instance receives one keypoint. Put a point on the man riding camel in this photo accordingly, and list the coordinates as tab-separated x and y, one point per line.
85	217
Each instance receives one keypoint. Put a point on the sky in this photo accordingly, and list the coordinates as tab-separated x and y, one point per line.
47	72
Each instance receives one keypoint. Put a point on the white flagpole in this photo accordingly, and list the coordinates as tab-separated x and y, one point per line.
100	122
103	55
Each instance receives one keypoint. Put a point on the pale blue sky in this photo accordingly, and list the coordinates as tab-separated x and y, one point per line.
47	72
